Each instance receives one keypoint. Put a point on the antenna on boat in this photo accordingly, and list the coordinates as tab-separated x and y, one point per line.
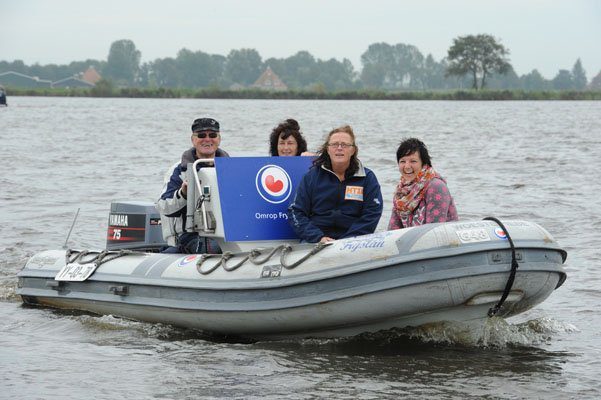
70	230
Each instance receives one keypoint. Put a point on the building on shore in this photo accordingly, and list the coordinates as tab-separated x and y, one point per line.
72	82
91	75
17	79
87	79
269	81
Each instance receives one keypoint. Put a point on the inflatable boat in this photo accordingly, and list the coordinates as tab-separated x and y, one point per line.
267	285
3	97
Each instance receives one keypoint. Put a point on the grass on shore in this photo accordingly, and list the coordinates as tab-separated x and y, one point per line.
214	93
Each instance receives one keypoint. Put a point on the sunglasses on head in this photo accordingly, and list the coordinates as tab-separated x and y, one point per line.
202	135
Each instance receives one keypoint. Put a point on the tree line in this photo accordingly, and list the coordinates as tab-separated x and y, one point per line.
473	61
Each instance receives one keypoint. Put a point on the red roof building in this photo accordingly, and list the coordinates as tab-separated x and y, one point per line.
269	81
91	75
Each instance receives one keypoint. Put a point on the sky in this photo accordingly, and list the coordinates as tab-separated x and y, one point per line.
547	35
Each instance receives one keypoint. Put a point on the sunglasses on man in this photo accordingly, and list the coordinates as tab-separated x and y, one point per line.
202	135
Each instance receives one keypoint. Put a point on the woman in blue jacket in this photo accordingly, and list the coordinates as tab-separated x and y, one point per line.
338	197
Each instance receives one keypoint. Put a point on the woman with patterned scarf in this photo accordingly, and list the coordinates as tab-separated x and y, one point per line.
422	196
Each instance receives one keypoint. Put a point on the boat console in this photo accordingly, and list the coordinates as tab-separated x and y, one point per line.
241	202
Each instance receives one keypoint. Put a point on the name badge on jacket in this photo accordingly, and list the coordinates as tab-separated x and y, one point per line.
354	193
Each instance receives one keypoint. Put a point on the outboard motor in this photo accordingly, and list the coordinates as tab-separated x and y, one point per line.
134	225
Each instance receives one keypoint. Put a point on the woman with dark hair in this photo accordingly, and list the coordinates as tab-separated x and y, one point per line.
422	196
286	139
338	197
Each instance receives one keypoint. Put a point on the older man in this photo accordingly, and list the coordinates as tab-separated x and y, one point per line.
206	138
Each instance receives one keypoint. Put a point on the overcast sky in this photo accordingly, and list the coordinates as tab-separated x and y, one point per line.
544	34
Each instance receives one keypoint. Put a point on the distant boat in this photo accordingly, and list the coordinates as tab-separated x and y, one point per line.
3	97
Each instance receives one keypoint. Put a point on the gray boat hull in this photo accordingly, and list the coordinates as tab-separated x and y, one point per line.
435	273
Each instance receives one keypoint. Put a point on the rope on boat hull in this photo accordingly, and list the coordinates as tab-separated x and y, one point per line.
254	257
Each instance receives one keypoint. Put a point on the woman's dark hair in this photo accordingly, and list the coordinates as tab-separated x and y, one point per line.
410	146
284	130
323	158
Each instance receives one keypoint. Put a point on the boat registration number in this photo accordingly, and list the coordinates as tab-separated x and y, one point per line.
75	272
473	235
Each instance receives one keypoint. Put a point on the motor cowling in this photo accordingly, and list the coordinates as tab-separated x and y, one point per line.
134	225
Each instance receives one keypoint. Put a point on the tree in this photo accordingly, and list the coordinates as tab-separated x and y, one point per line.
433	74
145	78
579	76
17	66
509	80
377	65
335	75
534	81
303	71
51	72
197	69
123	62
478	55
243	66
81	66
299	71
595	82
103	88
164	73
563	80
393	67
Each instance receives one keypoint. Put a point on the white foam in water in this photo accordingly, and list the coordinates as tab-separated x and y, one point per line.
493	333
110	322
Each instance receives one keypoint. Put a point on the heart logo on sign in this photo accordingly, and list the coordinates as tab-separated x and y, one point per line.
273	185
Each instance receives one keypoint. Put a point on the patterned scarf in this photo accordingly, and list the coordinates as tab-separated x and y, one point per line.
409	195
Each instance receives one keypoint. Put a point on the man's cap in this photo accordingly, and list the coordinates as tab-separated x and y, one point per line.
205	124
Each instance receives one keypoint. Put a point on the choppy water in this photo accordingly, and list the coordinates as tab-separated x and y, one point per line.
530	160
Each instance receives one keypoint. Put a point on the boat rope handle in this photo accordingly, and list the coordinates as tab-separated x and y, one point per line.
98	258
204	257
221	262
514	266
253	255
287	249
72	256
233	267
107	256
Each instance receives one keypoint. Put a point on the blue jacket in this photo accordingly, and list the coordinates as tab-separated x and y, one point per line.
324	206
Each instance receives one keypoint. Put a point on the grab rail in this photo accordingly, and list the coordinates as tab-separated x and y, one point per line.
199	188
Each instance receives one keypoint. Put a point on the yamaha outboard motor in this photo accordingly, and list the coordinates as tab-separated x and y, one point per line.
134	225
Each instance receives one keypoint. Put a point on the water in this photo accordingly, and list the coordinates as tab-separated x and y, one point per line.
529	160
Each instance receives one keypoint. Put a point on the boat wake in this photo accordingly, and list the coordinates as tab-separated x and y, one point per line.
494	333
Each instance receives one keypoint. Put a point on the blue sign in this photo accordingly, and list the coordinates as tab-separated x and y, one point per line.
255	193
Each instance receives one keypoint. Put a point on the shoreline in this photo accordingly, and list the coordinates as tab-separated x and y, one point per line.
178	93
